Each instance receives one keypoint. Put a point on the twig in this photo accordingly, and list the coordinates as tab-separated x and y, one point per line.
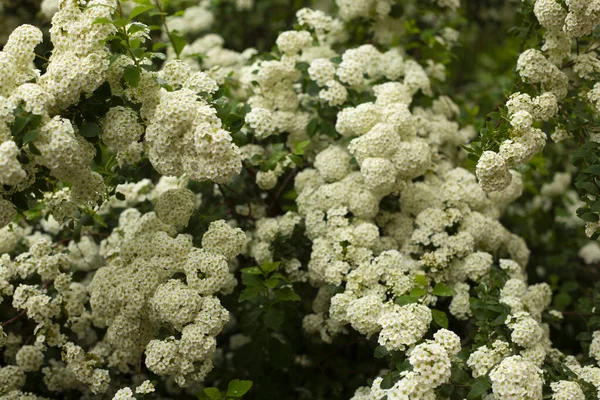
13	319
164	23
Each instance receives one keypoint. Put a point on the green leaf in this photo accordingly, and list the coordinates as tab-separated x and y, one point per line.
213	393
159	45
590	217
20	123
178	42
584	337
311	128
404	300
238	388
459	376
132	75
287	294
99	220
30	136
440	318
252	270
90	129
329	129
135	28
120	196
34	121
296	160
418	292
102	21
140	10
274	318
33	149
593	169
121	22
421	280
302	66
299	147
135	43
270	266
271	283
380	352
446	390
479	387
249	293
442	290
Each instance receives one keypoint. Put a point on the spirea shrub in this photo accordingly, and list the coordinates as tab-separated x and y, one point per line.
226	199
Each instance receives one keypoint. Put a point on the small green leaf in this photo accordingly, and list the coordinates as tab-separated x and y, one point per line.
252	270
287	294
421	280
479	387
132	75
418	292
135	28
30	136
440	318
302	66
442	290
593	169
120	196
102	21
296	160
213	393
178	42
121	22
299	147
90	129
270	266
19	124
311	128
238	388
458	376
404	300
249	293
584	337
33	149
99	220
271	283
134	43
590	217
380	352
140	10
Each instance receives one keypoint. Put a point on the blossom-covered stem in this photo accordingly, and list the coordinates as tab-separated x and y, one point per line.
133	57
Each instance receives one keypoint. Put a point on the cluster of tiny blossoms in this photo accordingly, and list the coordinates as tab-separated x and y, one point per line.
176	129
445	228
389	213
553	69
130	293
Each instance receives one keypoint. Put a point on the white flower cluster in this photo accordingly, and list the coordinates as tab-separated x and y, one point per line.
564	23
516	378
431	362
181	131
61	150
526	140
135	293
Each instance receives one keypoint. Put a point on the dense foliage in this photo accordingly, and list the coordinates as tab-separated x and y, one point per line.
299	199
